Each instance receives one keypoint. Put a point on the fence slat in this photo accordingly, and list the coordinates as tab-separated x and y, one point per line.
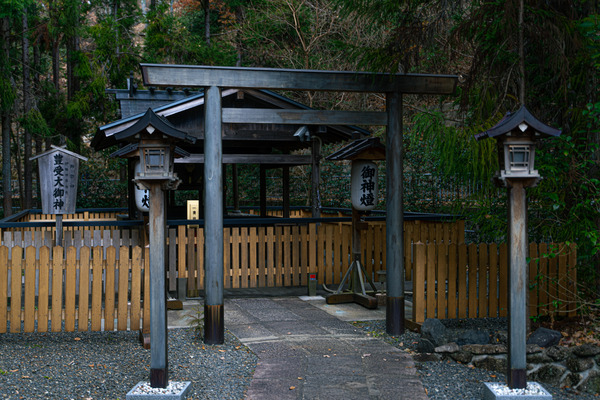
262	257
44	289
3	288
30	261
472	280
562	281
419	283
200	258
97	270
270	257
442	273
503	278
109	289
452	277
571	287
84	289
482	281
136	285
252	243
493	282
462	281
124	267
235	257
57	288
244	256
70	288
430	280
15	289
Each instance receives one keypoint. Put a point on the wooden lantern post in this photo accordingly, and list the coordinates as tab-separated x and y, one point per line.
153	139
516	134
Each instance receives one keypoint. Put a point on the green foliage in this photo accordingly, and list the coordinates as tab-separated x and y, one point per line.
179	39
99	185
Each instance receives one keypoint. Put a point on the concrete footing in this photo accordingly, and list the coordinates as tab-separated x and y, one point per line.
174	391
496	391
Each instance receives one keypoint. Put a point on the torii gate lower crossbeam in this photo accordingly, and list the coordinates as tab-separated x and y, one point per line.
215	78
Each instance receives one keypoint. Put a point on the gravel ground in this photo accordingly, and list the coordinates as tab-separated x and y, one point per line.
107	365
449	379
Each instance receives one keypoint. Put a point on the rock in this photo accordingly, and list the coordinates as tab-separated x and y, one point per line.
533	348
425	346
577	364
462	356
549	373
571	380
473	336
544	337
591	383
586	350
447	348
558	353
539	358
491	363
485	348
434	331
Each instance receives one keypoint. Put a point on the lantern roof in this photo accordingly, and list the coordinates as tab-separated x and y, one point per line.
153	123
515	120
58	149
360	149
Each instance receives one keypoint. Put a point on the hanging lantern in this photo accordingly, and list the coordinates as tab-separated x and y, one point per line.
364	186
142	196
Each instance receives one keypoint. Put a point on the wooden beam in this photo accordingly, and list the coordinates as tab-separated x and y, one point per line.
295	79
303	117
281	159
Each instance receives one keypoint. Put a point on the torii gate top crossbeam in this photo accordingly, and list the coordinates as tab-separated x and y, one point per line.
295	79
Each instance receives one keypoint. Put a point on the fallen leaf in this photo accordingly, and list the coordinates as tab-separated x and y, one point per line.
326	356
299	378
77	338
292	387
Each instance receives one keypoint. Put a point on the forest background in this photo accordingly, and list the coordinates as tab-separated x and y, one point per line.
57	57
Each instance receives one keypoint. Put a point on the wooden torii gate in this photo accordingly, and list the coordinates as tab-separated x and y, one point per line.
214	79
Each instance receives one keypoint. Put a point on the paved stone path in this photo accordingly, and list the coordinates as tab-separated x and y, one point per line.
306	353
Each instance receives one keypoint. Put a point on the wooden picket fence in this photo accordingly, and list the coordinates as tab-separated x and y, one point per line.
284	255
471	281
86	289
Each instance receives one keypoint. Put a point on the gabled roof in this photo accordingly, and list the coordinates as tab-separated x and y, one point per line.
369	148
158	124
513	120
186	115
148	119
57	149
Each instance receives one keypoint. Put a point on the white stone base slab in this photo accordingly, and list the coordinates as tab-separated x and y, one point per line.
501	391
174	391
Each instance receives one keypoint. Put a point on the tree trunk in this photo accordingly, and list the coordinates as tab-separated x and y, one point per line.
207	21
28	195
6	122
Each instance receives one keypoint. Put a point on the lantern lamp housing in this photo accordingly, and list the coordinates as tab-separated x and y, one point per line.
156	161
516	136
516	156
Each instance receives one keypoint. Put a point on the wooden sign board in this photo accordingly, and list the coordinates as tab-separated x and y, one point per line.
59	175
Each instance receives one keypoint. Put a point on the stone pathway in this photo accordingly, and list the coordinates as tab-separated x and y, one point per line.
306	353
